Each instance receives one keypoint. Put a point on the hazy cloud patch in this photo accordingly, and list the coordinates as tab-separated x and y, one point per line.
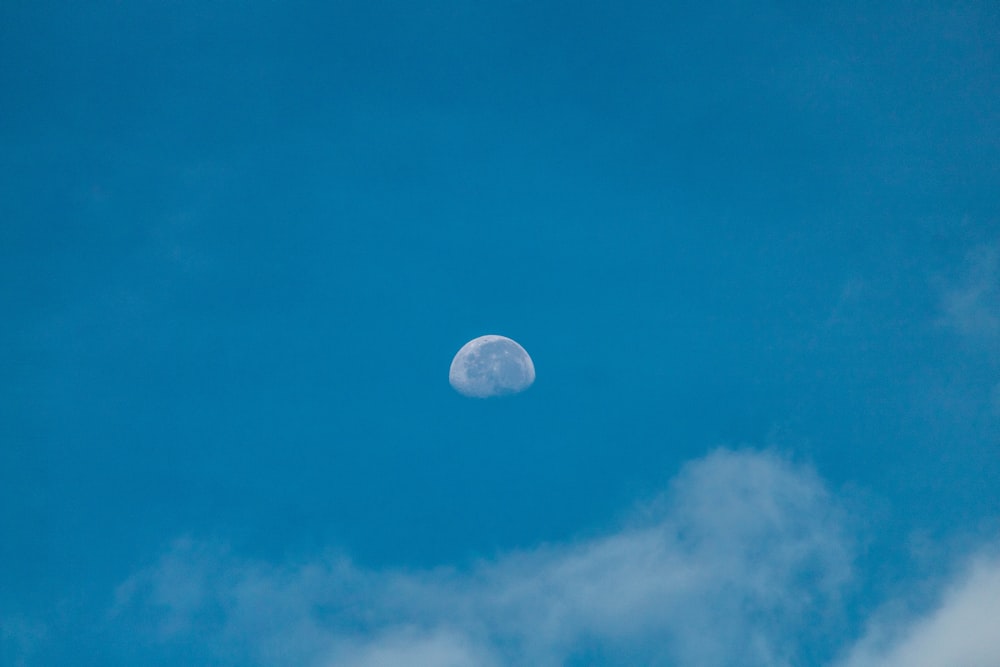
971	304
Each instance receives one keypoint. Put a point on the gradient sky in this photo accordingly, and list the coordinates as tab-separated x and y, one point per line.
752	248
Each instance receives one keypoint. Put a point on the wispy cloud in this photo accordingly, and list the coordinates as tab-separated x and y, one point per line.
971	305
19	637
960	631
740	562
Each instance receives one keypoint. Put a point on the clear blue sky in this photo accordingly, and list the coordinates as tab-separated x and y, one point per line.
753	250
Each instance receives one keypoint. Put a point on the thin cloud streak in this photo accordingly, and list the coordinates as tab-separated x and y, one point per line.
742	561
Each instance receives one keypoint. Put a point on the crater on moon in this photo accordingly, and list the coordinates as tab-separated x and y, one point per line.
491	366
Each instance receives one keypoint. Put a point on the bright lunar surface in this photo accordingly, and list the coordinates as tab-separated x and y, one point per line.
491	366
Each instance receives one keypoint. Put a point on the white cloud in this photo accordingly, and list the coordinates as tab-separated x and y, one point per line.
963	630
739	563
440	648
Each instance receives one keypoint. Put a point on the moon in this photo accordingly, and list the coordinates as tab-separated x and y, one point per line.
491	366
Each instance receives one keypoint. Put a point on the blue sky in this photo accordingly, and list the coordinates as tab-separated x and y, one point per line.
753	251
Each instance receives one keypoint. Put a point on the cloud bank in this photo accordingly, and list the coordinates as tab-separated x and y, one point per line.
741	562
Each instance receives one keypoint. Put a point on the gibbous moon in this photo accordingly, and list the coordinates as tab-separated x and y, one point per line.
491	366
